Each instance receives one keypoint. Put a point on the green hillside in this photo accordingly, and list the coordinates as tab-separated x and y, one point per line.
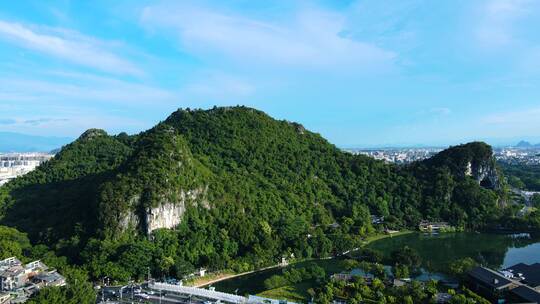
241	190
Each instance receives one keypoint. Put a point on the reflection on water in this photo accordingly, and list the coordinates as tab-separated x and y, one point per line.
437	251
253	283
493	250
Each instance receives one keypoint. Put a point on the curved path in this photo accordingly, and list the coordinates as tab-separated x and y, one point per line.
235	275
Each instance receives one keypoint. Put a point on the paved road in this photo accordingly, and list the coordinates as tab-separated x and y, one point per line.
198	292
112	295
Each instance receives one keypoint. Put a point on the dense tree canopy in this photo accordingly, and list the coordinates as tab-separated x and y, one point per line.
521	176
266	189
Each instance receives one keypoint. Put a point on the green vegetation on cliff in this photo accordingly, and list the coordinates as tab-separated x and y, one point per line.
251	189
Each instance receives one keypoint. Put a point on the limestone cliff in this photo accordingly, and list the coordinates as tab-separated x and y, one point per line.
485	173
154	187
169	214
473	159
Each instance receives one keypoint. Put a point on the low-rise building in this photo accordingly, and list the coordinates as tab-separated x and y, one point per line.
263	300
5	298
515	284
489	283
433	226
524	295
20	281
526	274
51	278
12	274
442	297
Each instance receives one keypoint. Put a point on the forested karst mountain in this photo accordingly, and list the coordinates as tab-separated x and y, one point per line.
240	190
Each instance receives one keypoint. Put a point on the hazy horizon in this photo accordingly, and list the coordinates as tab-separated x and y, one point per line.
32	143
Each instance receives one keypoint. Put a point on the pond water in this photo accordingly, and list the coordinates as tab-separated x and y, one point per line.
437	251
494	250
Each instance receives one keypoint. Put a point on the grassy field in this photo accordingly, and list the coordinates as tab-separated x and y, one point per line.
198	281
383	236
295	293
299	292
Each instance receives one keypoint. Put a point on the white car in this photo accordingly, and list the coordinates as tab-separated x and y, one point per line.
142	295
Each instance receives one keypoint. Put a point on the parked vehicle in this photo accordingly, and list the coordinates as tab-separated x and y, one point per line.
142	295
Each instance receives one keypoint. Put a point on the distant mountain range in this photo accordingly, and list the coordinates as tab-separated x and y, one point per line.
526	144
17	142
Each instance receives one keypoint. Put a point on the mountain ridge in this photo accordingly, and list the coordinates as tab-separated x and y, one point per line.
526	144
233	186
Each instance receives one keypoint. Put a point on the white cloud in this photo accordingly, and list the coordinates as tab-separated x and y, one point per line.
75	87
79	121
313	38
36	121
495	26
68	45
512	119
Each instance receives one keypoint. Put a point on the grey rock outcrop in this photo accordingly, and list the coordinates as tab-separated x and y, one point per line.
167	214
485	173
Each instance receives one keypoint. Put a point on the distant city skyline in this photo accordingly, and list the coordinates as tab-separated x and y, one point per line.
363	74
20	142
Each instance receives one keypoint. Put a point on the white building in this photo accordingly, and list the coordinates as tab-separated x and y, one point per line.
13	165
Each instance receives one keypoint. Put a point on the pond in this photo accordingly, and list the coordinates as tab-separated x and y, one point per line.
493	250
437	251
253	283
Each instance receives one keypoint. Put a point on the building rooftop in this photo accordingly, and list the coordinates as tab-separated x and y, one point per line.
530	273
5	263
11	271
527	294
262	300
489	277
48	277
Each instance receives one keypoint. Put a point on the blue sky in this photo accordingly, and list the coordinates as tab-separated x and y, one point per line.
361	73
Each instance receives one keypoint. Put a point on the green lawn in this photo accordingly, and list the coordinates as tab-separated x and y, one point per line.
383	236
295	293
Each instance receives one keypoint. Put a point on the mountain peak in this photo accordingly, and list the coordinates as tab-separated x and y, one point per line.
524	144
474	159
92	133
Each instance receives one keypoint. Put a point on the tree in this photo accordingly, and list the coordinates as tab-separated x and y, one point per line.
183	268
406	256
535	200
77	291
401	271
460	267
275	281
12	242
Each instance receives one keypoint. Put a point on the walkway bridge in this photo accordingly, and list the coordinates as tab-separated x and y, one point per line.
200	292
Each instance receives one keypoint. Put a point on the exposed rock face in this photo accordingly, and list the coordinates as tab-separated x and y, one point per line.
473	159
130	220
486	175
167	215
